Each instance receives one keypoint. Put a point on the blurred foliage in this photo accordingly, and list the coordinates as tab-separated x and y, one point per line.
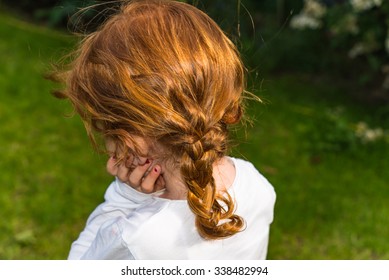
335	132
74	15
356	32
227	13
253	25
256	26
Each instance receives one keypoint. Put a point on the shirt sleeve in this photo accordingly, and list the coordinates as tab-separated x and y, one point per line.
120	201
108	244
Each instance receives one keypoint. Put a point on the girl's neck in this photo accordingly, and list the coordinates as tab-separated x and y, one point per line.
223	172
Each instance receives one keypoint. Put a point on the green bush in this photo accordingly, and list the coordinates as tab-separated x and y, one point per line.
356	32
76	15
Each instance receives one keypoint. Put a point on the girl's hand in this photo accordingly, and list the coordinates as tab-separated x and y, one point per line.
143	176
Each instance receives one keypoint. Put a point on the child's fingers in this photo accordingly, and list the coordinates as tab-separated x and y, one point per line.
140	177
125	170
123	173
129	161
149	182
136	176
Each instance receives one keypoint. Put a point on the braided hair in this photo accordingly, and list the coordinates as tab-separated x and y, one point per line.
164	70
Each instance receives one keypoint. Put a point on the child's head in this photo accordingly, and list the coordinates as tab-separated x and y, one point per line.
164	71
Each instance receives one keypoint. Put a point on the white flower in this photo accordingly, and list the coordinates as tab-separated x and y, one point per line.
377	2
347	24
367	134
363	5
368	46
314	8
358	49
372	135
303	21
310	16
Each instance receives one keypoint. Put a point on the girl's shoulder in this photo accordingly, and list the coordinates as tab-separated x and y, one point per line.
248	174
161	224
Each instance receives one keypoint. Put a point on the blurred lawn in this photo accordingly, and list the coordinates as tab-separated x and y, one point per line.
330	205
50	179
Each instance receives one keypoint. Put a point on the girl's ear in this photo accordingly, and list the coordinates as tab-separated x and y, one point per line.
233	115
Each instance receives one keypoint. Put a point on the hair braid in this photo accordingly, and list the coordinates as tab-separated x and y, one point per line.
213	210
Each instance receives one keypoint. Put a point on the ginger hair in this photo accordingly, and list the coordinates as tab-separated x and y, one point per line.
164	70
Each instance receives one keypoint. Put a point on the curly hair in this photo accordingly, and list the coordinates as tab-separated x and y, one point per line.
165	71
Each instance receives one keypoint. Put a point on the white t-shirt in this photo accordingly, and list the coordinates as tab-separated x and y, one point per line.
133	225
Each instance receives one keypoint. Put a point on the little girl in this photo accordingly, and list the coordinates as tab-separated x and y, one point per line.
161	83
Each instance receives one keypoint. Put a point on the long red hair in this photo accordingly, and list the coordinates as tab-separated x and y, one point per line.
165	71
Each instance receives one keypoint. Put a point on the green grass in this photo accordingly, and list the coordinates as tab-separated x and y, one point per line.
50	180
330	204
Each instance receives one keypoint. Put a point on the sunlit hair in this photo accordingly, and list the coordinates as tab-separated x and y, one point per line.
165	71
